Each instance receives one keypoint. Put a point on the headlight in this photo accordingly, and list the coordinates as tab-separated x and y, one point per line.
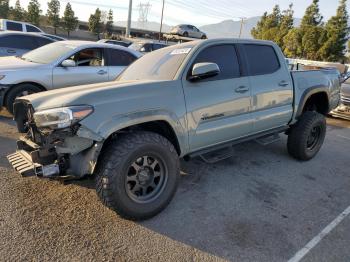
2	77
63	117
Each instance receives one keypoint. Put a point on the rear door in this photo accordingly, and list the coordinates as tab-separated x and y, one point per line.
90	68
271	86
117	61
218	108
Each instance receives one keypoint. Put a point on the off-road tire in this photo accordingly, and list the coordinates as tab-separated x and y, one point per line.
299	134
113	168
16	91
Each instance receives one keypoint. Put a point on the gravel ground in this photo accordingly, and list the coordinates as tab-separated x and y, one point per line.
259	205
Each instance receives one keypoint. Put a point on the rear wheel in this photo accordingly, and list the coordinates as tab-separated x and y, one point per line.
138	175
307	136
185	34
18	91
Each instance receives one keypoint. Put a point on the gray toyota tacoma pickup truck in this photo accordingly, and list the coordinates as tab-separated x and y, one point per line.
178	102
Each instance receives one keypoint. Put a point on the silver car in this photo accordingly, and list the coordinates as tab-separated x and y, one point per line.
19	43
61	64
188	31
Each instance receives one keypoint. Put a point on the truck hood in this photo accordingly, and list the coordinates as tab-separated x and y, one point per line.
9	63
92	94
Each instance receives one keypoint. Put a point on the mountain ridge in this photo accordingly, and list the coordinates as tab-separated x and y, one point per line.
225	28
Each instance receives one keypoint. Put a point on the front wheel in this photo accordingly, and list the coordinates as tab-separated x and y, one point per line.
307	136
138	175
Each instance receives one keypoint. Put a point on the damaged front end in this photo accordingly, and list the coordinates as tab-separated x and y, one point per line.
55	144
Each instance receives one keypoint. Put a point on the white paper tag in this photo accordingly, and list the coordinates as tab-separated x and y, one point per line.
181	51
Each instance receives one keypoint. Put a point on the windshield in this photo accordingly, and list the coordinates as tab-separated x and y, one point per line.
48	53
157	65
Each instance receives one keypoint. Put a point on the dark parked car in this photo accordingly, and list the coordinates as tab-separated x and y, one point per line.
146	47
115	42
19	43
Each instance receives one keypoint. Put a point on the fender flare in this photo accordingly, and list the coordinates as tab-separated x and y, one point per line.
119	122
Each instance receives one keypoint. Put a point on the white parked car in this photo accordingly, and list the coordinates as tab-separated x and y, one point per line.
188	31
61	64
11	25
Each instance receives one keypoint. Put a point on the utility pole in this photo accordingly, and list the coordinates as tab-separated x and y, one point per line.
161	22
240	30
128	25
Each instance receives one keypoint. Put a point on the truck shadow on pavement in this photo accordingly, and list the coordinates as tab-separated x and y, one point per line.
206	212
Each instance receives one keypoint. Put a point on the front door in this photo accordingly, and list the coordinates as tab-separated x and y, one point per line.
218	108
90	68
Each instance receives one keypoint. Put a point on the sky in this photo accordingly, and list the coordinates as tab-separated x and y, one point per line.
197	12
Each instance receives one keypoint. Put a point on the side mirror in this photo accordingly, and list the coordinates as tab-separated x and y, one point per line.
68	63
203	71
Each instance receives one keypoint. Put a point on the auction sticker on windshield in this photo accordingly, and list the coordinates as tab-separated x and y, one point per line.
181	51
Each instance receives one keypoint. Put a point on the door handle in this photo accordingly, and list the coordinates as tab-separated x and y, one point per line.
283	83
11	51
241	89
102	72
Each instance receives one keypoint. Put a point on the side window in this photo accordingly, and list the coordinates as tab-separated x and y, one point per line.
43	41
19	42
31	28
119	58
88	57
261	59
147	48
14	26
225	57
157	46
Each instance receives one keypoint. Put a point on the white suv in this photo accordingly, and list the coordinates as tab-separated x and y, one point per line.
18	26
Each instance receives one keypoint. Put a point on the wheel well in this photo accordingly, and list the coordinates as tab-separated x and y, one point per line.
42	88
160	127
317	102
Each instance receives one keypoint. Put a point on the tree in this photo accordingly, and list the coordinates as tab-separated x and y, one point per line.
109	23
268	26
4	8
291	43
18	13
275	26
312	31
286	25
53	13
70	22
337	31
312	40
258	30
34	11
95	22
312	16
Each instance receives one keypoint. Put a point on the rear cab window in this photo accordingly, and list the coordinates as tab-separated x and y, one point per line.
13	26
261	59
31	28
